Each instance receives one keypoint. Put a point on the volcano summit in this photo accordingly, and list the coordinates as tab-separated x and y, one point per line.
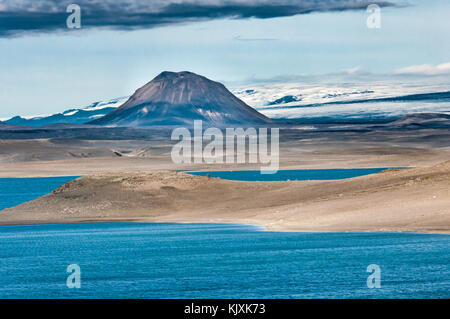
179	99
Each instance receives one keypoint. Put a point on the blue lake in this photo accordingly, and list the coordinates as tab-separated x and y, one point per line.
137	260
298	174
15	191
144	260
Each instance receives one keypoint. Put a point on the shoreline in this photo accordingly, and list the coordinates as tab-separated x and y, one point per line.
416	200
260	227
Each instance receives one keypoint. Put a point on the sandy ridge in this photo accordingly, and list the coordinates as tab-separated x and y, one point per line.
413	200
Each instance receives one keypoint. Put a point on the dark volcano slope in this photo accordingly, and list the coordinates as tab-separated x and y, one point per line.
179	99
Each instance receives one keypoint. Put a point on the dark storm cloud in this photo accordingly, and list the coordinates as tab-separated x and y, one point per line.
22	17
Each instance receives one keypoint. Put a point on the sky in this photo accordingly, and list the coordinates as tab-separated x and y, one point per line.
121	45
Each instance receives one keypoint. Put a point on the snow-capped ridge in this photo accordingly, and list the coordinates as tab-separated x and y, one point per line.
70	116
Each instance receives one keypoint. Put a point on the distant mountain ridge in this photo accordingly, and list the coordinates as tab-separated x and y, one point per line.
314	103
174	98
72	116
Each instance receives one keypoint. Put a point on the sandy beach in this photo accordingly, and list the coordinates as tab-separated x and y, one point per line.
411	200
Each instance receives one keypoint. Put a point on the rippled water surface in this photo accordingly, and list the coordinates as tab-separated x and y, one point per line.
137	260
